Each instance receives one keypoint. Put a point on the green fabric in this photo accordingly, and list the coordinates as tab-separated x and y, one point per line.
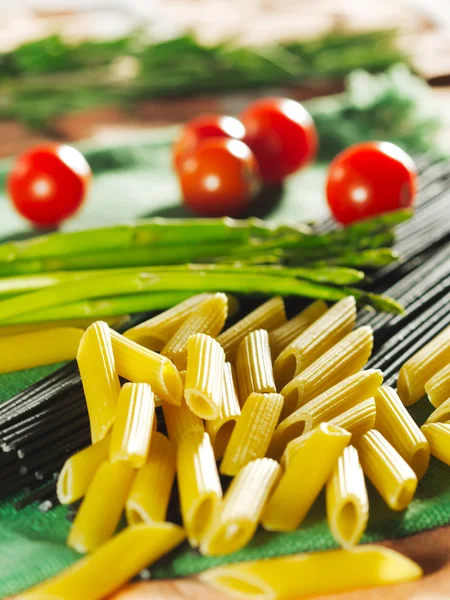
134	180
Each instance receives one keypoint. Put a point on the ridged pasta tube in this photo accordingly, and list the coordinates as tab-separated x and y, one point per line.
438	387
345	358
358	419
252	433
438	436
441	414
319	337
254	365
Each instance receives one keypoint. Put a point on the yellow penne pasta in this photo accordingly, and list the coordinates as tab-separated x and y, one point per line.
38	348
79	470
314	461
438	436
208	317
395	423
140	365
102	507
394	479
329	404
268	316
282	336
252	433
130	439
198	484
441	414
180	421
311	574
98	575
150	491
101	384
347	501
319	337
221	428
358	419
237	520
438	387
204	376
157	331
345	358
421	367
254	365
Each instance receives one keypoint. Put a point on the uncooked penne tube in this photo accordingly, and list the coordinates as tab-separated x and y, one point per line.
395	423
345	358
208	317
254	365
282	336
79	470
130	439
438	387
347	501
394	479
438	436
180	420
38	348
157	331
268	316
329	404
358	419
149	495
198	484
421	367
139	365
319	337
243	503
101	384
204	376
98	575
313	463
221	428
253	431
441	414
314	573
99	514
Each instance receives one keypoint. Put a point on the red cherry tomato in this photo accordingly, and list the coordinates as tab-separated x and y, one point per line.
48	183
219	178
202	128
369	179
282	136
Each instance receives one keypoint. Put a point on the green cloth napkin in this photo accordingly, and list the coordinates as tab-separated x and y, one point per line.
135	179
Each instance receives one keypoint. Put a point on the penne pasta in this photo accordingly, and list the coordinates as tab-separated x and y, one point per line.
314	462
204	376
254	365
207	317
221	428
358	419
180	421
282	336
395	423
319	337
99	377
345	358
157	331
198	485
253	431
313	573
394	479
139	365
130	439
150	491
99	514
79	470
438	436
346	499
268	316
441	414
421	367
438	387
37	348
244	501
341	397
98	575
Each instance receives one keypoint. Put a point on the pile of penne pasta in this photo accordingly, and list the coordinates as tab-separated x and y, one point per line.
283	407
